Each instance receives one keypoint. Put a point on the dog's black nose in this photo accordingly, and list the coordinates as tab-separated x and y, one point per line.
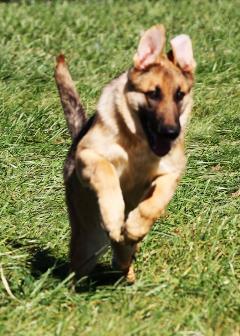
169	131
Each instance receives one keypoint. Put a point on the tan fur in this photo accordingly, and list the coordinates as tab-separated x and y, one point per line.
117	184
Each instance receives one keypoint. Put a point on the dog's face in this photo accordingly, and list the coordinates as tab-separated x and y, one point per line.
159	86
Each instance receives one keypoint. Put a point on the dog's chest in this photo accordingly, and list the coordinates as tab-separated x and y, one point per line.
142	167
136	176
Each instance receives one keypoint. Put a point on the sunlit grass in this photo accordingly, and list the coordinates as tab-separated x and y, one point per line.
188	268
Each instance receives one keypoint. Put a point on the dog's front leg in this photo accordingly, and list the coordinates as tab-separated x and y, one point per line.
101	176
141	219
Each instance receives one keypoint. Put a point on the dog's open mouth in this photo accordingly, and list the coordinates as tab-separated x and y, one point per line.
159	141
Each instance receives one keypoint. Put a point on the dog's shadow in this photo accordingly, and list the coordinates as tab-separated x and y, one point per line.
43	259
103	275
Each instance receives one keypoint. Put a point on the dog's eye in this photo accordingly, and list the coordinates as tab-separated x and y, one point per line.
179	95
154	94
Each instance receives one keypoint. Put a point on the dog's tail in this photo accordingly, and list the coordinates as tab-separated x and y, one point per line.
72	107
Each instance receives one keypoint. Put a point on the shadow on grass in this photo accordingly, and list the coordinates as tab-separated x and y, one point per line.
41	260
102	275
9	1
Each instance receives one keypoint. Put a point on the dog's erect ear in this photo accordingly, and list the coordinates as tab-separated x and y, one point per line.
182	53
150	47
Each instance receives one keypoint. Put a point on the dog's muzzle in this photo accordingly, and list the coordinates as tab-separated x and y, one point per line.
169	131
159	135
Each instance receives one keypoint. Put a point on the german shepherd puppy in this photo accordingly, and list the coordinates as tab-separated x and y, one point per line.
125	162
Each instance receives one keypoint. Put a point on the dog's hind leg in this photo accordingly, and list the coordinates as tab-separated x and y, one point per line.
86	246
123	255
88	239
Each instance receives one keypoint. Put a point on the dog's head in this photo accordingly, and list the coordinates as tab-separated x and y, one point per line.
159	86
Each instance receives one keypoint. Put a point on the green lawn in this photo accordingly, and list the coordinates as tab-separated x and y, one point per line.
188	268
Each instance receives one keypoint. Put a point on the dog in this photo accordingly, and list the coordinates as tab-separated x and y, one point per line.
125	162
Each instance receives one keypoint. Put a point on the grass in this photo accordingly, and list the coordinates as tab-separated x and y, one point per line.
188	267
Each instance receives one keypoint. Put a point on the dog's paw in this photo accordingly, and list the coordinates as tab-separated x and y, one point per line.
128	272
132	236
116	236
130	275
136	227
